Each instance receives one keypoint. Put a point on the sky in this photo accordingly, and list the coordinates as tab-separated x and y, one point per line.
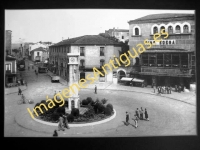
53	25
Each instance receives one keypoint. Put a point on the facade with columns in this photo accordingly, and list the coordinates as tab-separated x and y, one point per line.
171	61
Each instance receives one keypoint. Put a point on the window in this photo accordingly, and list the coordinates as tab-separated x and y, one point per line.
167	60
175	60
185	29
155	30
193	60
82	51
38	53
170	30
136	31
122	37
8	67
101	62
160	60
184	60
178	29
137	61
101	51
82	63
162	28
152	60
145	59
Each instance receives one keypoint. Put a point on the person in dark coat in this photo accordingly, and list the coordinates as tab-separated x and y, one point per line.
55	133
65	122
19	91
95	89
137	113
141	113
127	117
146	115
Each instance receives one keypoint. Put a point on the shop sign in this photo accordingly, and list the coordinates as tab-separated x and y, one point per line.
163	42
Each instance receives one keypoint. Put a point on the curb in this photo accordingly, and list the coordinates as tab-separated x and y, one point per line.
79	125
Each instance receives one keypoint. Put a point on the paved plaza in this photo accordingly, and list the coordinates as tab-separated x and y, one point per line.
170	114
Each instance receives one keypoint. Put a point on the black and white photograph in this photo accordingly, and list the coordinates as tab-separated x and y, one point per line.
100	73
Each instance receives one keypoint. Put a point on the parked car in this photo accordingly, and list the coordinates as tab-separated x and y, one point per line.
55	79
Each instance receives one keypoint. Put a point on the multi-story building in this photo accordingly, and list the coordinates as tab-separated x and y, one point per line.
8	42
94	50
39	54
10	69
120	34
171	61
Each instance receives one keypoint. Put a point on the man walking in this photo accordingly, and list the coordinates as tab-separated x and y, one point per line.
127	118
136	120
137	113
19	91
141	113
95	89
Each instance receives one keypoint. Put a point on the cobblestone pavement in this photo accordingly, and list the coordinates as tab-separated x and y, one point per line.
170	114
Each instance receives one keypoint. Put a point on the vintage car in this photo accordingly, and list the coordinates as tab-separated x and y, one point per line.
55	79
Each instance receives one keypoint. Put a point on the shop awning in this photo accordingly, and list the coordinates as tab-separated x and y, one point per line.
126	79
138	80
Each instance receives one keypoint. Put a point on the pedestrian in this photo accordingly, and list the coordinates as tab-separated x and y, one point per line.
136	120
175	88
141	114
167	89
95	89
146	115
23	99
26	83
65	122
137	113
154	89
55	133
127	118
19	91
60	124
170	89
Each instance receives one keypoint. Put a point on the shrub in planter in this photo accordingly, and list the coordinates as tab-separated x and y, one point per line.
61	110
75	112
84	102
100	108
55	116
103	101
110	106
70	118
89	99
43	101
108	111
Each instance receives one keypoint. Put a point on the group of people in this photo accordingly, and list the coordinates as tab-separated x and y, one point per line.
179	88
20	93
140	114
63	123
164	89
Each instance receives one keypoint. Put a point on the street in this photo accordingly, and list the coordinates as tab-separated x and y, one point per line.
167	116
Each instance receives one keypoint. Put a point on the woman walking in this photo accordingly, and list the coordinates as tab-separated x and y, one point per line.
60	124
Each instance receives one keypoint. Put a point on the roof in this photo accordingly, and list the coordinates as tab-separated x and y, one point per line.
88	40
38	49
118	30
162	16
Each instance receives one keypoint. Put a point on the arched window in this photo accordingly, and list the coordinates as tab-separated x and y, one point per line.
82	63
155	30
170	29
178	29
162	28
136	31
185	29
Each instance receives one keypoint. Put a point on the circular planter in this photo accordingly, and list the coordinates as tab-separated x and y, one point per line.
79	124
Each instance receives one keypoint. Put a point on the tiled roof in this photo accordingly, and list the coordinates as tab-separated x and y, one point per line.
162	16
88	40
38	49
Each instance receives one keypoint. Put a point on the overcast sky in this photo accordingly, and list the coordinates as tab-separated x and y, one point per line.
53	24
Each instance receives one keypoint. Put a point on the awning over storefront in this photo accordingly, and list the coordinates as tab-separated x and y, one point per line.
126	79
138	80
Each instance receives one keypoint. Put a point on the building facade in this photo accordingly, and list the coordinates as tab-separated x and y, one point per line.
8	42
171	61
10	70
39	54
93	50
121	34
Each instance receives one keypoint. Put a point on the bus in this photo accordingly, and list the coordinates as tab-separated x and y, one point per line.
21	65
42	69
